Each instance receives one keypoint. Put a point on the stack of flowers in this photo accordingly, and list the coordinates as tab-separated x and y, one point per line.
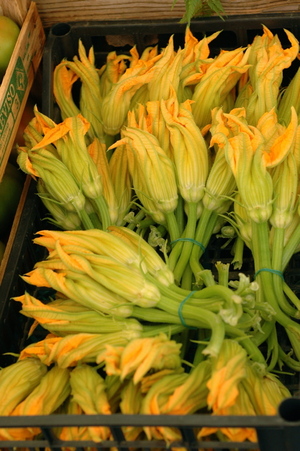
162	153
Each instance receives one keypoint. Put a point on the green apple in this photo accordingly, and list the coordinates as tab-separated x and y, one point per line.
9	32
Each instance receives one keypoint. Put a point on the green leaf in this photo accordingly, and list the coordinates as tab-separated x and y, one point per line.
196	8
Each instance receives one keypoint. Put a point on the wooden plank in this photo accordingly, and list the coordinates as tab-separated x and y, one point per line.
14	91
18	79
15	9
55	11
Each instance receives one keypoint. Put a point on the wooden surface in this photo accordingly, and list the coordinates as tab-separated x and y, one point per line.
14	91
15	9
55	11
18	80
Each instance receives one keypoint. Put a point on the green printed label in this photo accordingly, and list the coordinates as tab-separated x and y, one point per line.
11	105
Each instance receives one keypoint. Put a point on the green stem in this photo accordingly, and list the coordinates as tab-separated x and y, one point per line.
223	273
261	253
180	215
205	227
95	220
187	247
291	247
262	261
136	220
103	212
172	226
273	348
288	360
292	297
175	253
238	248
216	292
187	279
259	337
203	317
277	252
145	223
85	219
168	329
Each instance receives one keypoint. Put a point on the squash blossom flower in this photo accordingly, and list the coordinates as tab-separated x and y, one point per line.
76	348
154	166
82	67
81	289
65	316
149	257
242	220
154	402
51	392
70	407
166	73
267	59
116	103
220	183
176	394
94	241
149	117
88	390
217	83
100	270
228	370
242	406
121	181
141	355
233	134
194	63
98	153
63	81
285	181
138	183
17	381
251	165
112	70
265	391
69	139
71	145
280	154
130	403
191	396
59	181
60	216
151	56
72	432
290	98
188	149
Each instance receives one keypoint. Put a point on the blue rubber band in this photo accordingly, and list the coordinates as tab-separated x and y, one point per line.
191	241
180	310
273	271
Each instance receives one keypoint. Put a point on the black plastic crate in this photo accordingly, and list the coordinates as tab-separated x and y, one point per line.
274	433
24	254
237	31
279	433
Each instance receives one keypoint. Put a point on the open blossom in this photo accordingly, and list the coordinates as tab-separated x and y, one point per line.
228	369
267	59
142	355
251	152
